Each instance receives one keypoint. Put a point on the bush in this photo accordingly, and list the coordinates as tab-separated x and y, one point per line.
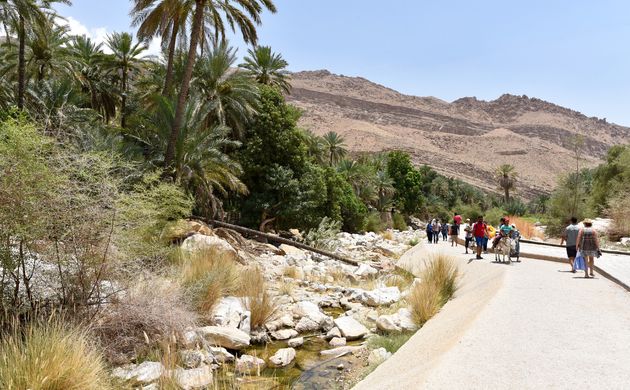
51	356
391	342
515	207
152	311
437	286
256	298
209	275
494	215
325	235
373	223
399	222
619	211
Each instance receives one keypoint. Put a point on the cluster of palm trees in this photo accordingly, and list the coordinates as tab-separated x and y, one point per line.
183	113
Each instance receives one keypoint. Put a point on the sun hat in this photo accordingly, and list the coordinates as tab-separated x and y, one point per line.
467	219
587	220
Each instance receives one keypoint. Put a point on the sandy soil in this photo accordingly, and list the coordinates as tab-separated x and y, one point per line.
530	325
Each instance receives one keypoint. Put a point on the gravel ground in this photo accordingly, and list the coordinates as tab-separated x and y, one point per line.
529	325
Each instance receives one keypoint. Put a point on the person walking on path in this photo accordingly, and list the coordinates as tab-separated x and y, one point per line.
445	231
457	221
569	237
437	227
480	231
588	244
469	234
430	231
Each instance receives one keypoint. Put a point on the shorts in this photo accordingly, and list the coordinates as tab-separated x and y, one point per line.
571	251
481	241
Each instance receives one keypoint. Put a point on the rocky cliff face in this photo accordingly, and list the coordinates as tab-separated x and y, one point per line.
467	138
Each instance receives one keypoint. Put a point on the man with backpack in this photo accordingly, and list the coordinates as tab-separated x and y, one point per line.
480	231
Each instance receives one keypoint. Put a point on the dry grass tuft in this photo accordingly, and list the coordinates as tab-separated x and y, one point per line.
437	286
209	275
256	298
152	311
388	235
51	356
526	228
286	288
400	278
290	271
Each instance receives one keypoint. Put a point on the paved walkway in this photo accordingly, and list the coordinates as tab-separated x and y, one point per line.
528	325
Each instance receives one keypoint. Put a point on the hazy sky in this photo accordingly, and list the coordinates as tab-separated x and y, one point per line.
573	53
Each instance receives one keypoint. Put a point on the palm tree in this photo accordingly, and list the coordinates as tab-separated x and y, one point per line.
245	14
23	15
200	163
166	19
506	177
267	67
385	190
124	60
334	146
87	59
228	96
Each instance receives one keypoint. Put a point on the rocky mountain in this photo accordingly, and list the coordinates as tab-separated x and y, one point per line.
467	138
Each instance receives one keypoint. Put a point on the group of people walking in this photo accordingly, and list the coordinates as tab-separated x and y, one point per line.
437	228
584	242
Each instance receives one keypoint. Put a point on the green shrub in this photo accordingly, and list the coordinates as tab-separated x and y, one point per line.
391	342
494	215
399	222
515	207
373	223
325	235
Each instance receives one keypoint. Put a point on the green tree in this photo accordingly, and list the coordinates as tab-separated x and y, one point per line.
334	146
124	61
407	181
506	177
267	67
214	12
228	97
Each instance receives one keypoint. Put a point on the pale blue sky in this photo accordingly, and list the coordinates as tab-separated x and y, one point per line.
573	53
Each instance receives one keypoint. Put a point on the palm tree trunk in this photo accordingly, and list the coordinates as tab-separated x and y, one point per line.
123	102
21	64
507	194
183	93
171	56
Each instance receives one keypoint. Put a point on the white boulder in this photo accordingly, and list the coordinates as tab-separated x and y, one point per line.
284	334
201	242
230	338
337	342
387	323
378	356
229	312
296	342
220	354
350	328
365	270
380	296
283	357
247	364
195	378
145	372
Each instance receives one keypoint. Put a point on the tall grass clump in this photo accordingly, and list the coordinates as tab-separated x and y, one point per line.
208	275
373	223
399	222
50	355
437	286
256	298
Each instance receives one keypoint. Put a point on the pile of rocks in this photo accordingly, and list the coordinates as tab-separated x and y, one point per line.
321	286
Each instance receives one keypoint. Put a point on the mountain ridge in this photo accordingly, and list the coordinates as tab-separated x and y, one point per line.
534	135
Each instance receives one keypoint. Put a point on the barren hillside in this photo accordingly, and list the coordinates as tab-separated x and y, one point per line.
467	138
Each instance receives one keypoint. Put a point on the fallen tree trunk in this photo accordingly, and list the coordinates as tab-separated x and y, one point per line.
275	239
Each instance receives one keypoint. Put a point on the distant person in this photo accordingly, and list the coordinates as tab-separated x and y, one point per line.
457	221
505	230
569	237
430	231
437	227
588	244
480	231
468	238
445	231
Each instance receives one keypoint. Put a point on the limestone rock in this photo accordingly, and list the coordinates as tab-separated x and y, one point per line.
307	324
405	319
284	334
195	378
387	323
231	338
350	328
380	296
200	242
340	351
247	364
334	332
192	359
145	372
291	250
365	270
229	312
296	342
378	356
283	357
337	342
220	354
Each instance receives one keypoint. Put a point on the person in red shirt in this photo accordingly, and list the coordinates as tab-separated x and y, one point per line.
480	231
